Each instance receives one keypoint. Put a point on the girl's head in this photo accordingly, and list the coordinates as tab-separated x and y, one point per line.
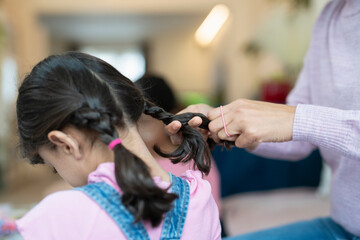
75	98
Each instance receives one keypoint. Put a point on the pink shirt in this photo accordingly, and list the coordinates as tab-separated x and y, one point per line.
73	215
213	177
327	95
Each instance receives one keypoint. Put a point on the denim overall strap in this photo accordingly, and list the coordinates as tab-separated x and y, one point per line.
175	219
110	200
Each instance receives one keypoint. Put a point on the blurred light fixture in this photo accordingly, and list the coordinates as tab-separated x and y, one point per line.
211	25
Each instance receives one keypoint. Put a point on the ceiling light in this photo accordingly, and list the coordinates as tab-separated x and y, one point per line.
211	25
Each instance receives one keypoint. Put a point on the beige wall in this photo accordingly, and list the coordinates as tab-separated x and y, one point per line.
181	61
224	63
190	67
29	39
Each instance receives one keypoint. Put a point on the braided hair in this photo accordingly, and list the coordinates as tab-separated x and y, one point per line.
86	92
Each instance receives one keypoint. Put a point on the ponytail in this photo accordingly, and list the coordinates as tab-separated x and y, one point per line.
141	196
193	145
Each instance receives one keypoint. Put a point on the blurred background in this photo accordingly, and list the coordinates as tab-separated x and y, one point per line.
248	49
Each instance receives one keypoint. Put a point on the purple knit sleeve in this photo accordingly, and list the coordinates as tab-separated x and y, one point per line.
331	128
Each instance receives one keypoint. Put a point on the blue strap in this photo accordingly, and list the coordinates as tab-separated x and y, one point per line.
175	219
110	200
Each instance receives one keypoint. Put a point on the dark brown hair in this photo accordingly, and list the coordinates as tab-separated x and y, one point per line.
86	92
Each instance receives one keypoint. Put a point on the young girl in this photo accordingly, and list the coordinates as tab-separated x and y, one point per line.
78	114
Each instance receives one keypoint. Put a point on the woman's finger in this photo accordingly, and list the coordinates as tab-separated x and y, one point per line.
173	127
195	122
214	114
216	125
232	135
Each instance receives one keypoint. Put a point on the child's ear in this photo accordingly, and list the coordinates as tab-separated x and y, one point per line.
65	142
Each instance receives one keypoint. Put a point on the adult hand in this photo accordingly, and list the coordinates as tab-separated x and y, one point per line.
174	127
251	122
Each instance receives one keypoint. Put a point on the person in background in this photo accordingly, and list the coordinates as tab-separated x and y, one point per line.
322	112
78	114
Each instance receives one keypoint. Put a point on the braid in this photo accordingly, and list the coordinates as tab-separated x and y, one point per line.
101	122
193	145
166	117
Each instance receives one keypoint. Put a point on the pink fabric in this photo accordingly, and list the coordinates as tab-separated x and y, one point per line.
213	177
72	215
327	95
